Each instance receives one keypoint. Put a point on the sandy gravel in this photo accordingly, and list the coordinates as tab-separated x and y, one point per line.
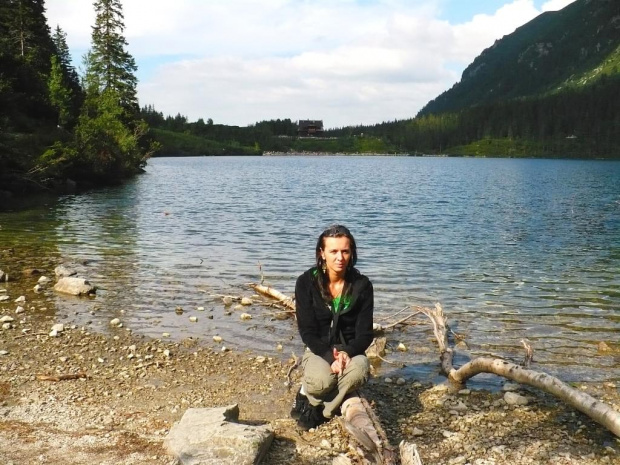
136	388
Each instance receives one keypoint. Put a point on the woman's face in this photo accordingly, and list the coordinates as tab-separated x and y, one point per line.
336	252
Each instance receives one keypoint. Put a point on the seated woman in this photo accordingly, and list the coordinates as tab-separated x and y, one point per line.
334	315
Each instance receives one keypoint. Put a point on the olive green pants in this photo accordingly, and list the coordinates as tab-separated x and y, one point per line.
329	389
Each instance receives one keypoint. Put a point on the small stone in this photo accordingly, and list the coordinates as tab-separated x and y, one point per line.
44	280
261	359
417	432
227	300
61	272
178	310
388	380
512	398
400	381
326	444
37	288
53	333
20	300
166	353
279	347
225	349
510	387
377	328
7	319
115	322
193	319
238	307
460	460
246	301
402	347
165	334
464	392
4	352
200	309
245	316
59	327
7	325
217	338
63	359
4	298
100	360
447	434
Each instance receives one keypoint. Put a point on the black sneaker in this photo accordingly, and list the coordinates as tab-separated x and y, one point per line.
311	417
299	405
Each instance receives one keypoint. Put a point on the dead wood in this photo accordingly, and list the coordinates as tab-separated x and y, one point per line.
283	299
363	425
598	411
61	377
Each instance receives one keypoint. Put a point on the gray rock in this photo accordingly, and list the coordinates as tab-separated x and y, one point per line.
512	398
44	280
62	272
4	298
213	436
74	286
6	319
510	387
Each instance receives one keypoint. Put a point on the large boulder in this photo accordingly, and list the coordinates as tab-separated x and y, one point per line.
74	286
212	436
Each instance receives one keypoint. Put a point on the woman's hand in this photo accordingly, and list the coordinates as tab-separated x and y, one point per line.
341	361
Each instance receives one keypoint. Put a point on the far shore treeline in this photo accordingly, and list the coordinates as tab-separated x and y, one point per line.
550	89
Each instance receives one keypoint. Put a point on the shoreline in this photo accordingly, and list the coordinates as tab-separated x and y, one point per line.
137	387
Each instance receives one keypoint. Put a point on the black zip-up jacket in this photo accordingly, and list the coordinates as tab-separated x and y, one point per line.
352	324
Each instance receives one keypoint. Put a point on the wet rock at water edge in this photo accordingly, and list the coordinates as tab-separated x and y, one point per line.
20	300
43	280
115	322
227	300
245	316
512	398
193	319
75	286
63	272
246	301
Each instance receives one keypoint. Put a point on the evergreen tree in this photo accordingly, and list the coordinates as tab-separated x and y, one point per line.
111	67
70	79
60	94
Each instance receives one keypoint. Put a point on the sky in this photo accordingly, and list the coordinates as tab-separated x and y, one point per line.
346	62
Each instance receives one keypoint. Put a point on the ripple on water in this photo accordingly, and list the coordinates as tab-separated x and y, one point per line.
511	248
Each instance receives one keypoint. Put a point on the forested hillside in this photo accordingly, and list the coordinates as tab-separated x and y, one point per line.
550	89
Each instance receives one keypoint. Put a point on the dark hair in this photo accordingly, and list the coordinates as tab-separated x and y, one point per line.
336	230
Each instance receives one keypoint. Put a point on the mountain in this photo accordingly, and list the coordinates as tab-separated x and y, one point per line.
556	51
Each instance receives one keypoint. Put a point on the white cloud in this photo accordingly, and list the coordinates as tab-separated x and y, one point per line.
345	62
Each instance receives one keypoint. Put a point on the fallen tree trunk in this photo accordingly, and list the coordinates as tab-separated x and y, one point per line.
598	411
283	299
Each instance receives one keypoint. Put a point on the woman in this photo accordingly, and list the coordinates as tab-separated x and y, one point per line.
334	314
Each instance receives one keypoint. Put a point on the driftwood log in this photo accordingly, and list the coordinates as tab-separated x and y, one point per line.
282	299
598	411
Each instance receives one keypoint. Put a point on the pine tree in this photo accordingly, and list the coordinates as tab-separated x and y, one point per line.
70	79
60	94
111	67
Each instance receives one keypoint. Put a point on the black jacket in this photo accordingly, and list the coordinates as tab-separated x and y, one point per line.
352	332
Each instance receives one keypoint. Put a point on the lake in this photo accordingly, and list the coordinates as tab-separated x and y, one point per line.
512	249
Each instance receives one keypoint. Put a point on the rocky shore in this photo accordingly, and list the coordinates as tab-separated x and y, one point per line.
125	392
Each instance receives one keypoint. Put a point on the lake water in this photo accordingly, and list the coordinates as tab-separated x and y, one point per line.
511	248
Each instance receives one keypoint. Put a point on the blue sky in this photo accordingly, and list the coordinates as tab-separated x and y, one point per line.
346	62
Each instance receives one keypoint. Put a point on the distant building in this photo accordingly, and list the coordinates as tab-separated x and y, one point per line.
310	128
